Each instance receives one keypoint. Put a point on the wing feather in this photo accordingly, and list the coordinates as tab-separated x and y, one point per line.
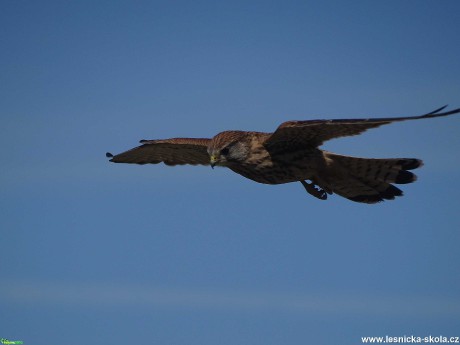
315	132
174	151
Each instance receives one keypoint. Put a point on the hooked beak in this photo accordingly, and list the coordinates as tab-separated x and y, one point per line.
213	161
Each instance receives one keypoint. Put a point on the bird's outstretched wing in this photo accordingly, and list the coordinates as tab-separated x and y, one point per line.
315	132
175	151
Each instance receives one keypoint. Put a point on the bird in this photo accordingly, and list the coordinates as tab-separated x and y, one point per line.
292	154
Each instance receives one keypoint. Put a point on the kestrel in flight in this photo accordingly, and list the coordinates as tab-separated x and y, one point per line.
292	154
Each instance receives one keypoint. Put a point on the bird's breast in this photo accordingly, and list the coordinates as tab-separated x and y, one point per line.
263	167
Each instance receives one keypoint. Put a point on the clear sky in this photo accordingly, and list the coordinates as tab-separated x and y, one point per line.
94	252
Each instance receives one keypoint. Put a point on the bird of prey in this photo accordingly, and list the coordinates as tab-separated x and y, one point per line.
292	154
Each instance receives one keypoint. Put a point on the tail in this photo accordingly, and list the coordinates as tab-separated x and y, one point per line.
368	180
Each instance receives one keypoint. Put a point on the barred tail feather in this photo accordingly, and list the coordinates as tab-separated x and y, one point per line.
371	180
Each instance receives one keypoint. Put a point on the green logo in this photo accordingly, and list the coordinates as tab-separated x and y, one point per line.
6	341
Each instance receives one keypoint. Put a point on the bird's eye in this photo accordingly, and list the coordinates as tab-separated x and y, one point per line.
224	151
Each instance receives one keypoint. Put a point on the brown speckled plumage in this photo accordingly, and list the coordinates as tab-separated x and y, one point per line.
292	154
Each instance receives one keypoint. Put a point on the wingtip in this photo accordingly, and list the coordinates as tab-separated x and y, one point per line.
454	111
440	109
439	112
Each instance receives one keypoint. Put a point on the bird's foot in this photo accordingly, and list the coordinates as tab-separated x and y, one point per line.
314	190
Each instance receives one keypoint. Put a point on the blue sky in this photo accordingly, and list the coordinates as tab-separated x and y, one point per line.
98	252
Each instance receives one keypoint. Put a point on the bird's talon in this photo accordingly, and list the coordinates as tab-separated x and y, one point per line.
314	190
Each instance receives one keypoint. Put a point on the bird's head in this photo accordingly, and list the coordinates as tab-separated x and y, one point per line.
228	147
